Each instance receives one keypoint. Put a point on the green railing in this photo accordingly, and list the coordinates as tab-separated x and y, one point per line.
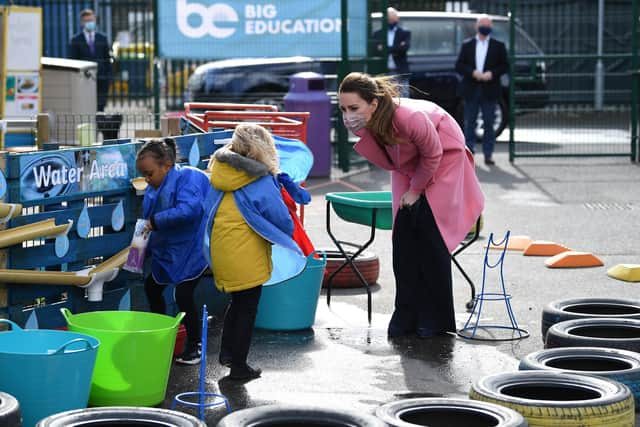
574	104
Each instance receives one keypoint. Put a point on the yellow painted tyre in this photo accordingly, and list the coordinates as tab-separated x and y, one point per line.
549	399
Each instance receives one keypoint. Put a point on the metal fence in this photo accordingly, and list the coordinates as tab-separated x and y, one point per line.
86	129
587	104
129	25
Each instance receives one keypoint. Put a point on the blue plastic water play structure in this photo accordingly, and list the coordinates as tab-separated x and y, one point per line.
474	322
205	399
90	186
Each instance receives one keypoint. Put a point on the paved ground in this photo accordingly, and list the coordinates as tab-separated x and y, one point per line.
587	204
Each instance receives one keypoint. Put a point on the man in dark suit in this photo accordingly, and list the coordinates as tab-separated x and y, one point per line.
481	62
398	42
90	45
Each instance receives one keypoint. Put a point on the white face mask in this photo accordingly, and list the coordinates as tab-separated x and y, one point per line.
90	26
354	121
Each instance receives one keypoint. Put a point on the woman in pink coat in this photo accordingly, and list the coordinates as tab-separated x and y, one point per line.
436	194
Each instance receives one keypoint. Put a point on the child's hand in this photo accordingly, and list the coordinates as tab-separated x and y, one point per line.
409	198
299	194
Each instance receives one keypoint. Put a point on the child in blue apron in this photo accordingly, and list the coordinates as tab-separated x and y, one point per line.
174	206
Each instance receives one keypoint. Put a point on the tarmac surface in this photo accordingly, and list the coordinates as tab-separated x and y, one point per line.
589	205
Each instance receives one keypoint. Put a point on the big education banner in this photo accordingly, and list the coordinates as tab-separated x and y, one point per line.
213	29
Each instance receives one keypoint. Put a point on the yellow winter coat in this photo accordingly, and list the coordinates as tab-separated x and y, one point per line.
241	259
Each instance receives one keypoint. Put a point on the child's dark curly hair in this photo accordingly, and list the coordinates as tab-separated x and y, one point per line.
163	150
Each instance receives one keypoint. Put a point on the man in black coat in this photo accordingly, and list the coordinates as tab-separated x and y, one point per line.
481	62
90	45
398	42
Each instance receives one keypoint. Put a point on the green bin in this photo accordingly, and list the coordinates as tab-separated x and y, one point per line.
357	207
135	355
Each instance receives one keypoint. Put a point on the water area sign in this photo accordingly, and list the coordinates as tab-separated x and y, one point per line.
213	29
48	175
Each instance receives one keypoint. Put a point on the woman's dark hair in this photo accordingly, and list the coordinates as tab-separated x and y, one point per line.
163	150
384	89
87	12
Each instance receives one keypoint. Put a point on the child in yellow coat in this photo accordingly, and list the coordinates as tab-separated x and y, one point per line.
247	217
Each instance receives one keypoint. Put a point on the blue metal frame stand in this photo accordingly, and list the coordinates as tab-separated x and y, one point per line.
516	332
202	395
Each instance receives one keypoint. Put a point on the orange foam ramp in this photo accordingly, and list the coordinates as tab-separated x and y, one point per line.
573	259
516	243
544	248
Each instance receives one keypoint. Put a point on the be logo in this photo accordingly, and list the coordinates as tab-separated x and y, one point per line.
210	18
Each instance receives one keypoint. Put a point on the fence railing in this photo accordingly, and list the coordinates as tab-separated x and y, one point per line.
584	104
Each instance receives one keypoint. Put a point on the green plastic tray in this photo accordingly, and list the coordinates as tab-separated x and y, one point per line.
358	207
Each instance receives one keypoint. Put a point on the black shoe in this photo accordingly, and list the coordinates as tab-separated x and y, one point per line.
191	355
489	161
224	359
245	372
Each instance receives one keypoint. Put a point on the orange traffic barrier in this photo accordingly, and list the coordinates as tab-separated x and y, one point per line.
573	259
516	243
544	248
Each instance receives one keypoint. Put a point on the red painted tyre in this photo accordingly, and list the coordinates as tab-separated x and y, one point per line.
367	263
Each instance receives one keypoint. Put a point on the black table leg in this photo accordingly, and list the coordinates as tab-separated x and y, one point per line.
349	261
475	236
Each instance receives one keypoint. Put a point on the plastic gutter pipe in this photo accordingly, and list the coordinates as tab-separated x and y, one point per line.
140	185
115	262
36	277
92	279
9	211
46	228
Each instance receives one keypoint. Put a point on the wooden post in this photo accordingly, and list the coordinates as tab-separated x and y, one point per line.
4	291
42	130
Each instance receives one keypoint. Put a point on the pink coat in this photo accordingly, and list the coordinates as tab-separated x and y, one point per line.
436	161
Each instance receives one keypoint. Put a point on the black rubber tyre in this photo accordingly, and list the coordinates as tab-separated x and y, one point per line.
121	415
612	333
618	365
9	411
435	412
291	416
367	263
548	398
582	308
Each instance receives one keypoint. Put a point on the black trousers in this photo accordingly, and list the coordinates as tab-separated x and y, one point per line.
102	87
422	268
184	298
238	325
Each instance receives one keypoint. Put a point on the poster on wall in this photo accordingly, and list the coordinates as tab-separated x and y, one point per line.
22	95
73	172
21	46
24	39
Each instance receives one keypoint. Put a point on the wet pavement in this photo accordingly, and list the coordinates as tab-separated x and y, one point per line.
587	204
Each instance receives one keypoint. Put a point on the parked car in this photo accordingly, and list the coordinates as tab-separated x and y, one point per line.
436	40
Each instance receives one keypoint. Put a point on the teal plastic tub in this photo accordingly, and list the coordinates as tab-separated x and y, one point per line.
357	207
48	371
291	305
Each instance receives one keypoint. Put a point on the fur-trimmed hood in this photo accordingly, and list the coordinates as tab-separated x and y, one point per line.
231	171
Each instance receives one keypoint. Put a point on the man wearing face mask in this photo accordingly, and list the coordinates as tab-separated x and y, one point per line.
398	42
481	62
90	45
